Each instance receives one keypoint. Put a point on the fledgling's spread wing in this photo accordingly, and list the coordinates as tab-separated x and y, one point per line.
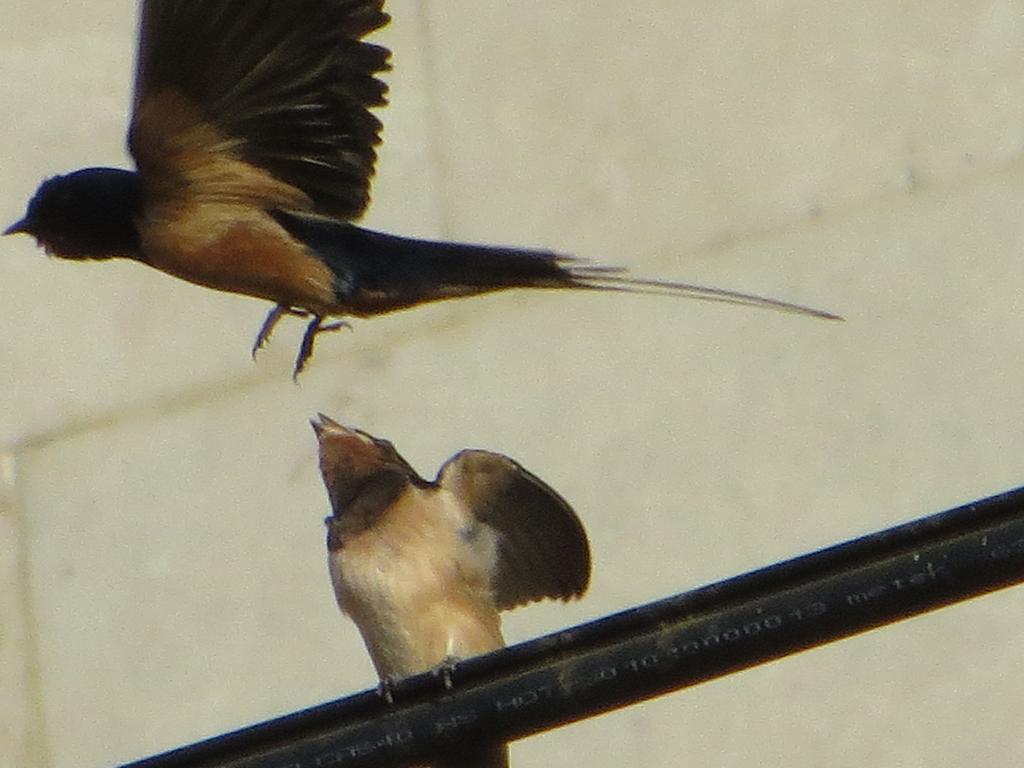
542	548
260	98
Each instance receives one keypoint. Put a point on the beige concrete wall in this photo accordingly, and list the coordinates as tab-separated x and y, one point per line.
161	547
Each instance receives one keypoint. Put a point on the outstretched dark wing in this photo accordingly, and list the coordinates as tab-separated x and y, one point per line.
542	548
284	86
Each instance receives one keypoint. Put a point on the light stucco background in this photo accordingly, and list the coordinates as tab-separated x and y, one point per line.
162	571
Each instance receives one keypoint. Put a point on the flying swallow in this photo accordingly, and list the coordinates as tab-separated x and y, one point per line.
424	567
254	145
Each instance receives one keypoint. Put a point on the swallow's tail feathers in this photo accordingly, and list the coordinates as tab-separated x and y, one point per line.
615	279
376	272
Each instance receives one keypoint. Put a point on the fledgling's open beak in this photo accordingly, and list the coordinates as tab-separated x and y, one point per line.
322	424
336	439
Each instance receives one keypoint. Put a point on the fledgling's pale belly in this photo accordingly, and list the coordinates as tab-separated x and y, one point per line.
417	593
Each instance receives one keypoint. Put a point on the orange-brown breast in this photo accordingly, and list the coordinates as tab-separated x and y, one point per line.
238	249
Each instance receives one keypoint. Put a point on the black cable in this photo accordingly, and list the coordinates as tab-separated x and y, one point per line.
649	650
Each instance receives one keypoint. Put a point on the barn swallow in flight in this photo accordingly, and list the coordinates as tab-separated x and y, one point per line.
254	142
424	567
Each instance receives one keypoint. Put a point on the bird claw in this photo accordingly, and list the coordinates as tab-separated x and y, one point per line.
316	326
386	689
273	318
446	670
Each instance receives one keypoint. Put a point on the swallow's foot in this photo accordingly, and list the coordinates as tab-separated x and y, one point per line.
316	326
446	670
386	689
273	318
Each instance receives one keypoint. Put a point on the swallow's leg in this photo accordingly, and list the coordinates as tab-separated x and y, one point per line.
445	670
270	323
386	689
316	325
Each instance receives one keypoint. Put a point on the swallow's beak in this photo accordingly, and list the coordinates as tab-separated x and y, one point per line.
19	227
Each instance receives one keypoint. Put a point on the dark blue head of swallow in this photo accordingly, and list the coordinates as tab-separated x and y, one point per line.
88	214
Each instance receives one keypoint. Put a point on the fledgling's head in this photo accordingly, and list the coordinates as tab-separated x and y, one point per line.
88	214
350	460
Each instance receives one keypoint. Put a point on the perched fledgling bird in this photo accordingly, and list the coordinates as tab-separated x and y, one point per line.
424	567
255	146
